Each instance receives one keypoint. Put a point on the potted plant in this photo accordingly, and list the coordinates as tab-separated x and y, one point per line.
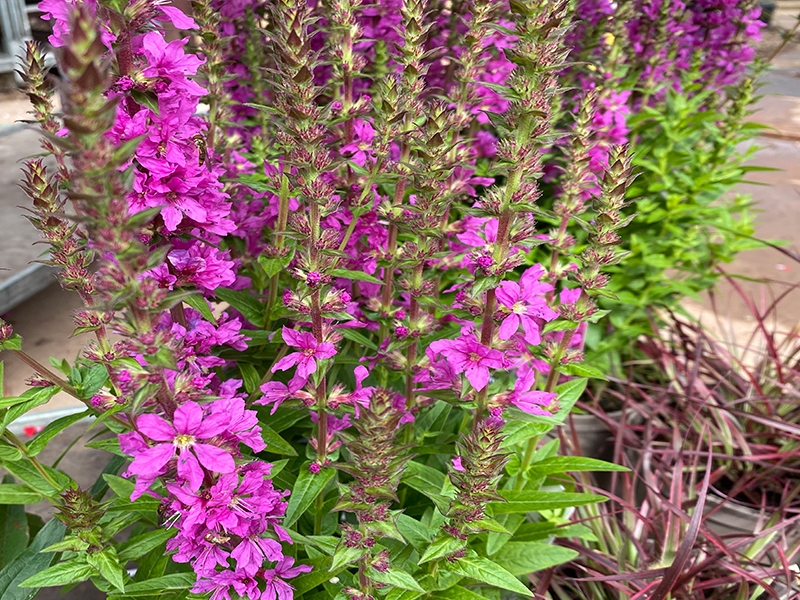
653	539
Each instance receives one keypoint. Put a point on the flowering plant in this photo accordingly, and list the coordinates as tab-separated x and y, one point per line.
322	347
675	81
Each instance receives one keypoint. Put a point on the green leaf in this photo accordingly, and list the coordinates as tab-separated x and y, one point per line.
275	443
355	275
569	464
250	376
142	544
543	530
583	370
273	266
486	571
306	489
146	99
320	573
354	336
523	558
559	325
428	481
197	302
442	546
457	592
92	381
157	586
346	556
422	477
9	453
39	443
396	578
12	343
64	573
30	399
107	564
25	473
12	493
70	543
245	303
530	501
108	445
13	531
520	431
400	594
122	487
30	562
414	532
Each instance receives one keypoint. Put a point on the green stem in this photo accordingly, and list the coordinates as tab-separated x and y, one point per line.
318	506
46	373
283	218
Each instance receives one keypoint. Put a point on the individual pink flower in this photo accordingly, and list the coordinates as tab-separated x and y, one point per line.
182	436
250	553
276	586
361	396
361	146
467	355
276	392
310	351
527	400
524	302
457	466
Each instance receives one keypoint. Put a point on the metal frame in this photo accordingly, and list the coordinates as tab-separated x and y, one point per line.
14	30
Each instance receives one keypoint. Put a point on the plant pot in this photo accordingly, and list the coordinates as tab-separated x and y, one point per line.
767	12
733	519
589	436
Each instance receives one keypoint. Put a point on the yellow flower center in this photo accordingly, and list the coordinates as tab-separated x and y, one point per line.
474	357
184	441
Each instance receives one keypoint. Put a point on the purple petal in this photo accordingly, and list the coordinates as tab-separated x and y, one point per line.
213	424
325	350
187	418
282	534
272	549
177	18
150	462
291	337
287	362
508	293
493	359
478	377
531	329
525	378
283	589
361	373
508	327
189	469
214	458
306	366
156	428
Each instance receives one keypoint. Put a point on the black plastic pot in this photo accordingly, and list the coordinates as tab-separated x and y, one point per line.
767	12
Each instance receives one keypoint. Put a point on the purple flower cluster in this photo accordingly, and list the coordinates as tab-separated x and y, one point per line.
223	507
187	441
